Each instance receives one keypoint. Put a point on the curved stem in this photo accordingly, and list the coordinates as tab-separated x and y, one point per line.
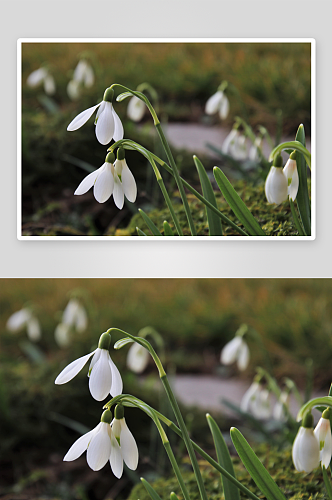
292	145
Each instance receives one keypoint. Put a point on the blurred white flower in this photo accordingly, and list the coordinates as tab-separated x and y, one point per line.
257	401
137	358
292	176
62	334
124	183
218	102
254	150
101	446
305	452
74	315
249	397
39	76
135	109
236	350
101	179
84	74
108	124
323	435
25	319
279	412
276	186
127	443
235	145
104	377
74	90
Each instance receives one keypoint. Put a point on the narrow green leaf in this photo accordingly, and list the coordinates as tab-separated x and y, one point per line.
153	228
296	219
237	205
302	197
33	352
323	401
214	222
255	467
167	229
327	482
140	232
152	492
123	96
122	342
230	490
173	496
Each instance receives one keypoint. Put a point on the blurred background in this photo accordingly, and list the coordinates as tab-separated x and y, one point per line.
269	85
290	321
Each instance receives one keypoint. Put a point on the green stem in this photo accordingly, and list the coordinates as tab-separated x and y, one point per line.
177	178
172	459
292	145
185	436
296	219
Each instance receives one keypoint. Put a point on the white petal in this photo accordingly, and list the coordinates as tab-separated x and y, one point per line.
89	181
72	369
81	322
117	384
128	184
224	108
137	358
18	320
33	329
49	85
69	314
99	449
104	184
89	77
291	173
105	124
128	446
262	407
213	103
79	71
116	460
100	110
243	356
249	395
62	335
118	194
100	381
80	445
229	353
36	77
295	450
238	148
135	109
82	118
94	360
276	186
118	127
307	451
229	140
116	428
327	450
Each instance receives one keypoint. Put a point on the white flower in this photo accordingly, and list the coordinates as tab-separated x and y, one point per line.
104	377
25	318
249	397
217	102
323	435
74	315
102	181
279	412
236	350
257	401
101	446
42	75
62	334
83	73
254	150
137	358
292	176
108	124
124	183
305	451
276	186
74	90
135	109
235	145
127	442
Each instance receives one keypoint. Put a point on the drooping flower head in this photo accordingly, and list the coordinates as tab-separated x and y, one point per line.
236	350
25	318
218	102
276	184
305	452
83	77
136	109
257	400
235	145
42	75
128	446
108	124
323	434
104	377
292	176
124	181
255	149
75	315
137	358
279	411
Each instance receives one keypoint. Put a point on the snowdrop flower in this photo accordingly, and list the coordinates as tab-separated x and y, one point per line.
39	76
25	318
292	176
62	334
218	102
236	350
257	401
84	74
276	185
137	358
323	435
135	109
126	440
104	377
74	315
108	124
101	179
255	148
101	446
74	90
305	453
124	181
235	145
279	412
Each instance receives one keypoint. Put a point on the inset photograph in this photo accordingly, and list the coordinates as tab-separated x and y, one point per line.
166	138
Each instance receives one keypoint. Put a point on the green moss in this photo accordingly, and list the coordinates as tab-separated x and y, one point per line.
294	485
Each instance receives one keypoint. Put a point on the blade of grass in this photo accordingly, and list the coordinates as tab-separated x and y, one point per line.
151	491
302	197
153	228
167	229
296	219
327	483
140	232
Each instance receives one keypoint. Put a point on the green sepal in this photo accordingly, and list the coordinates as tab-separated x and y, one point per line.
108	95
110	157
308	421
104	341
119	412
121	154
122	342
277	161
107	417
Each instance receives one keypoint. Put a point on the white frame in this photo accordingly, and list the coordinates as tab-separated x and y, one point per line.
312	41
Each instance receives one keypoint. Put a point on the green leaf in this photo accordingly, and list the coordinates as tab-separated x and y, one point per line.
33	352
140	232
173	496
237	205
122	342
153	228
167	229
323	401
78	163
152	492
214	222
295	218
123	96
327	482
231	492
255	467
302	197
